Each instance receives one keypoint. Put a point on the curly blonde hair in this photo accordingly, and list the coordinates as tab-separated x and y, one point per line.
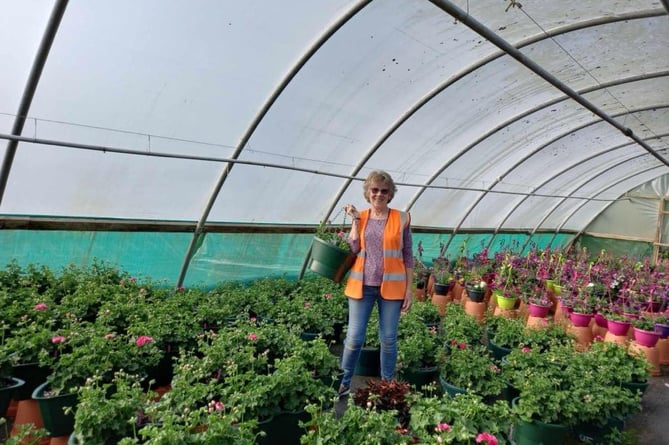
379	176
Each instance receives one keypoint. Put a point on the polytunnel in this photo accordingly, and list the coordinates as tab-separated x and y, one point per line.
199	141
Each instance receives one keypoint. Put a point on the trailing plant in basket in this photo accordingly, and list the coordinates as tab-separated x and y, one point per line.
334	234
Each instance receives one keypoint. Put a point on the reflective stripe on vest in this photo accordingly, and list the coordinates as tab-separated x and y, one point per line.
393	285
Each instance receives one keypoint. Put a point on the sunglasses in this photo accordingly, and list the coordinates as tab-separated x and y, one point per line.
374	190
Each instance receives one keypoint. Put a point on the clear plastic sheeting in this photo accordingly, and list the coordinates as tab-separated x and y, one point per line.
246	112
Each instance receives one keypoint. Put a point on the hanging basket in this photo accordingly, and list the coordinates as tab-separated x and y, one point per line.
330	261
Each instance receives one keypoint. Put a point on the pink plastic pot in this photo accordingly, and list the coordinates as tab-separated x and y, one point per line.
646	338
537	310
580	320
618	328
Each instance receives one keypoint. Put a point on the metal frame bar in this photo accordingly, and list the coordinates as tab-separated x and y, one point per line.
315	46
499	226
31	86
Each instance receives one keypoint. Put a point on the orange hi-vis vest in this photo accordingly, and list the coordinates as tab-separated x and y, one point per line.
393	285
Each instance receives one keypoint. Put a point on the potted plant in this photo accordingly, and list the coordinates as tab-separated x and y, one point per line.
421	274
425	312
419	351
469	368
475	286
644	331
465	419
386	395
357	425
110	411
330	252
556	393
458	325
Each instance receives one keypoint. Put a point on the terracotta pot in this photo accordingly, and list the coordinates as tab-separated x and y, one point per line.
583	336
536	322
476	309
440	301
663	350
651	353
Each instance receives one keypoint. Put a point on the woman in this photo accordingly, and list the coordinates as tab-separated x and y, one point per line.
381	274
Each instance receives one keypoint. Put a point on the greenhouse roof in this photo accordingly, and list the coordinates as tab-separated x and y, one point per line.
489	114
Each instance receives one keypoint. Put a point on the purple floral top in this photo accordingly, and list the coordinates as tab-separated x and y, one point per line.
373	270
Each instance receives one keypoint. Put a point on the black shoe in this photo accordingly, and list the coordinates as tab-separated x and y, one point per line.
344	390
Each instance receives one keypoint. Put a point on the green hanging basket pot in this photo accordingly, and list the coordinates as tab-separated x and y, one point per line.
539	433
56	422
330	261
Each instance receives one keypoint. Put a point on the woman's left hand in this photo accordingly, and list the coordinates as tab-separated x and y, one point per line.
408	300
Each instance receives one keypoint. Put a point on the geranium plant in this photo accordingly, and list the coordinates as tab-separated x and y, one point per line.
419	345
442	420
471	368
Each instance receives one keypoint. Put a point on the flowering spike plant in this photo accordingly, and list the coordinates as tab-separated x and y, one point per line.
333	234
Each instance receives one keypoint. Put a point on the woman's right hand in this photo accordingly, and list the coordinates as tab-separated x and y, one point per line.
351	211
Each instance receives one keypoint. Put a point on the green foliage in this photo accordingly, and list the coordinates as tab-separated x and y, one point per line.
461	327
419	345
357	425
458	420
110	411
562	386
471	368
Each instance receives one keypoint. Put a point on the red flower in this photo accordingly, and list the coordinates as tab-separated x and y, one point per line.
57	339
143	339
488	438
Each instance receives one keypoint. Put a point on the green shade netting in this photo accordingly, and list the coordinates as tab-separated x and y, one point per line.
221	256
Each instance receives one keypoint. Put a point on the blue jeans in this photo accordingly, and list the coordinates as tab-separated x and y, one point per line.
359	312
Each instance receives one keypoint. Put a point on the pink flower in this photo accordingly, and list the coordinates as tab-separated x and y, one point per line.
526	349
215	406
40	306
57	339
307	304
109	336
462	346
143	339
252	337
341	234
488	438
328	296
442	427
